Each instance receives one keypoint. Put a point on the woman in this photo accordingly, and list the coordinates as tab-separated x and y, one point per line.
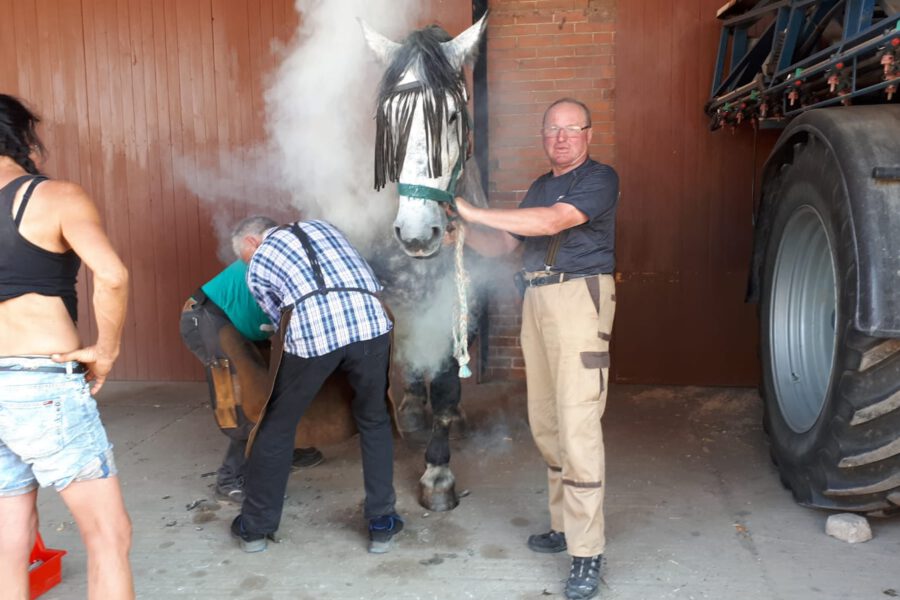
50	432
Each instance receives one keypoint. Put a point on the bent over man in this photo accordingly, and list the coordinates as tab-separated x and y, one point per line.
567	225
223	306
336	322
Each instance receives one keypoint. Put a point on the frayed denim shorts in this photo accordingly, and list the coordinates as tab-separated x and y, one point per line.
50	430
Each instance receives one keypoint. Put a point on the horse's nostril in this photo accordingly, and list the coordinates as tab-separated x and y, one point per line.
397	233
435	232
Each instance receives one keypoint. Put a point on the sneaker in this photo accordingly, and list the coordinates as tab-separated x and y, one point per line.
584	578
250	542
305	458
381	530
230	493
548	543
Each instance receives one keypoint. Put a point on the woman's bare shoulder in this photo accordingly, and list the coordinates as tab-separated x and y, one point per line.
62	190
67	200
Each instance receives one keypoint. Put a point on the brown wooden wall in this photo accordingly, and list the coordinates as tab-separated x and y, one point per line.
685	215
131	92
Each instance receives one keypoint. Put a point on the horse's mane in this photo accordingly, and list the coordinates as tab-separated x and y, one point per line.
422	52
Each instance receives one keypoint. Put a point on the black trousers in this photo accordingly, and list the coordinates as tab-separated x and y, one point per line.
297	383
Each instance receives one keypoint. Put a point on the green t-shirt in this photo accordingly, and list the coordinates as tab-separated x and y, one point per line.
229	291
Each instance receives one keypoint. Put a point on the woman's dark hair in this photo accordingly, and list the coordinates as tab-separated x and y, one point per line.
18	133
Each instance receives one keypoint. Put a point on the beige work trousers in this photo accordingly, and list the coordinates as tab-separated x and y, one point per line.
566	329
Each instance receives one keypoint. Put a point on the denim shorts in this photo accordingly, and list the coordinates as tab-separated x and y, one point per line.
50	430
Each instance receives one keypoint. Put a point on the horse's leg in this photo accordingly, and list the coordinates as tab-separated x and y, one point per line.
446	392
437	489
411	412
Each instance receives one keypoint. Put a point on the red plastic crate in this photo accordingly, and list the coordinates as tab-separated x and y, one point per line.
45	569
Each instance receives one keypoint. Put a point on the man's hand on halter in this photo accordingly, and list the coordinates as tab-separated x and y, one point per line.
463	209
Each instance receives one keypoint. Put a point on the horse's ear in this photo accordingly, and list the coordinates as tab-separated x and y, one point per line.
465	46
383	48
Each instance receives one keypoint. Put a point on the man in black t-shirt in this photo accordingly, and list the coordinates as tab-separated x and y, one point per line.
567	225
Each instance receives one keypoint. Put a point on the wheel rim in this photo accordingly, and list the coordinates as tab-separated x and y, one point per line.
802	322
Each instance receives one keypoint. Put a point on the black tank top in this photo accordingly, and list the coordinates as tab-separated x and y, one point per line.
26	268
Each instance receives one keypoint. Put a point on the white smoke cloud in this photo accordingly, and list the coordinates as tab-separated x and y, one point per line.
320	104
320	111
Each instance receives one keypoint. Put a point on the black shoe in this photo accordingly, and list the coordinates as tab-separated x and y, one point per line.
250	542
584	578
232	492
548	543
305	458
381	530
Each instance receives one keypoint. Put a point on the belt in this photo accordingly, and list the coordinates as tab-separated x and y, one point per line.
556	278
70	368
198	299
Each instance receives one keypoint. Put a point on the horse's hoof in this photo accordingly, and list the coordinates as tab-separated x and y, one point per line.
437	489
411	414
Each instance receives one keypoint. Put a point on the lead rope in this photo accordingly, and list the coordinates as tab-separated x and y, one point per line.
461	309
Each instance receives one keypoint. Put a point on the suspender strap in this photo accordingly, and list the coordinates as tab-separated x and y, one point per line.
556	240
552	249
21	212
310	254
317	269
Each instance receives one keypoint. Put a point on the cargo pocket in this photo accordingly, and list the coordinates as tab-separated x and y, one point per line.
599	361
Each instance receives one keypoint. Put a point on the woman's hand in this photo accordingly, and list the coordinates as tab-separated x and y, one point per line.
97	364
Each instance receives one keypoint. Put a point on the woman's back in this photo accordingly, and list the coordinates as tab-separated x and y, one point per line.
34	323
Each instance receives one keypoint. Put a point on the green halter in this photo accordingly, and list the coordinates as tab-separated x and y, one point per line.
424	192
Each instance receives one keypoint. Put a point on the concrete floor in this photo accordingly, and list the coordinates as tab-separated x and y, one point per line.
694	510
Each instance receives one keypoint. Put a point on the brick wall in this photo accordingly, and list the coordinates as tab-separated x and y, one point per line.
538	51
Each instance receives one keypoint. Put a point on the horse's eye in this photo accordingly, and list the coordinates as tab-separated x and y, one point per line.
453	117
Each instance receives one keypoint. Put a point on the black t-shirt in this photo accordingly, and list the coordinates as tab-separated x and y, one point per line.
26	268
589	248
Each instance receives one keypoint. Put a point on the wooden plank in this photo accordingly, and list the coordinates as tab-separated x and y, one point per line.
180	364
9	76
206	103
163	363
684	230
139	200
178	48
116	143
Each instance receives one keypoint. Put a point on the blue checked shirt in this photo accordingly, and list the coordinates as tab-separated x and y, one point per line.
280	275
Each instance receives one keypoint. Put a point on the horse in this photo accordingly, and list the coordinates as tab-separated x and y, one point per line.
422	134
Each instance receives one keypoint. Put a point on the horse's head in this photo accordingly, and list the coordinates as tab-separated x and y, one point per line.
422	128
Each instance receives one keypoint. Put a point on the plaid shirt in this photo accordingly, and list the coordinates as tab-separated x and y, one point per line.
279	275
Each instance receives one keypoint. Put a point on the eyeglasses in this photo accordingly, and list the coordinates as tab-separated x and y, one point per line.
554	130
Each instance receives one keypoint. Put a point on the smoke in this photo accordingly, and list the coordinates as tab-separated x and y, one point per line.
320	105
320	110
318	157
